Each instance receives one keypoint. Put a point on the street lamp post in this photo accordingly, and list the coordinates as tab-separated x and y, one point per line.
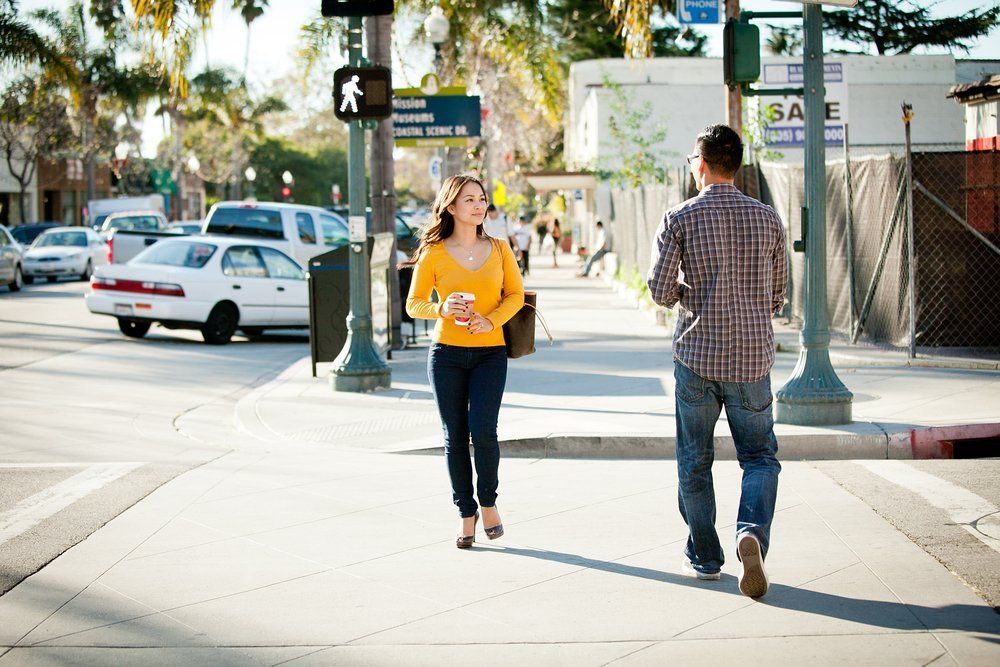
121	155
251	175
437	29
359	366
814	395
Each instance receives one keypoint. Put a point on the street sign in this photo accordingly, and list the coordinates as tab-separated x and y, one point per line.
700	11
357	7
362	93
434	166
787	128
436	120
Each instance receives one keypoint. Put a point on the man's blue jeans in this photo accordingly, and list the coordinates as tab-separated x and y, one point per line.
468	384
592	259
748	409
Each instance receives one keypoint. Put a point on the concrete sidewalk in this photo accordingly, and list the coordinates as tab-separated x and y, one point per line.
309	543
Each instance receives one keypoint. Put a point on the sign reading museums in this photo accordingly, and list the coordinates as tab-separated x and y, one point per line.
435	120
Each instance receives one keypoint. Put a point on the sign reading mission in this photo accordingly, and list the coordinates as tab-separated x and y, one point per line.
435	120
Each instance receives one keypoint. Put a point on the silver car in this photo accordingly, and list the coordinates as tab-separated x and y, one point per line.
11	256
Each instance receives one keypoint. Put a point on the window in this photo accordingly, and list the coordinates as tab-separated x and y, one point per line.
262	223
134	223
177	253
403	230
334	231
307	231
243	262
75	239
280	265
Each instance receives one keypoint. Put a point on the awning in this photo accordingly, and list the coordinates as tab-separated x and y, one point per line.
547	181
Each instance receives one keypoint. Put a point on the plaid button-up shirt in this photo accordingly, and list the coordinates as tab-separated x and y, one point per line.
722	256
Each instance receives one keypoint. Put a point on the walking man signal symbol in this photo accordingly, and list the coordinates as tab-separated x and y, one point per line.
348	91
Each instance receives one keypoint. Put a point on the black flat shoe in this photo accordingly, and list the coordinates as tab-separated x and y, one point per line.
466	541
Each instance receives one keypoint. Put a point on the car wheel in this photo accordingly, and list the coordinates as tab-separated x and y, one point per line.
133	328
252	332
18	281
52	279
221	324
87	272
29	280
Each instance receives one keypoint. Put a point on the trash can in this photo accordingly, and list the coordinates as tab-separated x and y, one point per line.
330	298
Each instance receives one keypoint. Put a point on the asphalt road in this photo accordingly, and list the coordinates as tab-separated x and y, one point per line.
91	422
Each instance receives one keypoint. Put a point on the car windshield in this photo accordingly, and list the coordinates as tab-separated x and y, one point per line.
133	223
188	254
246	221
76	239
28	235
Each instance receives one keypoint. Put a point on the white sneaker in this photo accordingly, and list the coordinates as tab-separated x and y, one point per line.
753	578
689	570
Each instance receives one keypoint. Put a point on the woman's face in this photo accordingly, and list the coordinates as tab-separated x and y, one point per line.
469	208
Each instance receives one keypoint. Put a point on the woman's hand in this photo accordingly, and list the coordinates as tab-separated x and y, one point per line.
479	324
455	305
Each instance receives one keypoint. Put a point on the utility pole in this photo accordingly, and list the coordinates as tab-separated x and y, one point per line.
814	395
734	96
383	174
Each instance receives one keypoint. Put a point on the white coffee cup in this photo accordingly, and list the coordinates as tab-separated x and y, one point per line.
470	299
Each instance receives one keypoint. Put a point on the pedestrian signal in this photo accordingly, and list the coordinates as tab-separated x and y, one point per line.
740	53
357	7
362	93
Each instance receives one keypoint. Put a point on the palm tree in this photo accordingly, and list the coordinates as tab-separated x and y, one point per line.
249	10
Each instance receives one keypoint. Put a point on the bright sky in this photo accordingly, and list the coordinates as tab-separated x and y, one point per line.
275	36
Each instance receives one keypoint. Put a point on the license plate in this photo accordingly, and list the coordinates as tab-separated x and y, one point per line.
122	309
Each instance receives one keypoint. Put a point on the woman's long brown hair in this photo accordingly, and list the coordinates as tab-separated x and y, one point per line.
442	221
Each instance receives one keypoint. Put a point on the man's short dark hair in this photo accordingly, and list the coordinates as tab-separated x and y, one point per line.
491	208
600	224
721	148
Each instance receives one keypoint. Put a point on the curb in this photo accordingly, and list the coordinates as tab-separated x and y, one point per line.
799	447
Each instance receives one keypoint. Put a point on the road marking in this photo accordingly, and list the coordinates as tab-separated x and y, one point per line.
33	510
972	512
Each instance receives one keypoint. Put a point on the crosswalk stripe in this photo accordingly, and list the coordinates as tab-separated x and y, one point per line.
972	512
34	509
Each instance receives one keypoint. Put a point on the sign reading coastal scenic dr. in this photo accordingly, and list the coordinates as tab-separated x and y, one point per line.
435	120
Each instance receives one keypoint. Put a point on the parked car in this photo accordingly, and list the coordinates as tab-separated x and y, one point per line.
98	210
26	234
64	251
186	227
11	254
134	221
300	231
407	233
214	284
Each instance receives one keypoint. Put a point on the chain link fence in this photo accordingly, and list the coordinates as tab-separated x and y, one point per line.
956	241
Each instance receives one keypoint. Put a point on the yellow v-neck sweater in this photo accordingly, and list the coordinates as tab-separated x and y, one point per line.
437	270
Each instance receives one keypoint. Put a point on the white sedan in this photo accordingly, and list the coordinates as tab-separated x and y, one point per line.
64	251
215	284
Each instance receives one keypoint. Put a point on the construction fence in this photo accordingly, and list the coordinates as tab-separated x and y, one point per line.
955	199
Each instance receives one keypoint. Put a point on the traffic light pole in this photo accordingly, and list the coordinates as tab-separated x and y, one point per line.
359	367
814	395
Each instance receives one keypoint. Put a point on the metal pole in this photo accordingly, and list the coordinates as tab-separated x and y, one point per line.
814	395
910	259
359	366
734	96
849	219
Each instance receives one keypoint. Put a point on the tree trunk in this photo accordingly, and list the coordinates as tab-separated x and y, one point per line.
20	202
178	167
89	119
383	176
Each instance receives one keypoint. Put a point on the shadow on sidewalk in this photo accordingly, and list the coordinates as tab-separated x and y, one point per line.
875	613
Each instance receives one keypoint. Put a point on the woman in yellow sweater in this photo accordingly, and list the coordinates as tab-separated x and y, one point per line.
467	364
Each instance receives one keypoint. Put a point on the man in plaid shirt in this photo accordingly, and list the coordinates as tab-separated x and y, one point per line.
722	257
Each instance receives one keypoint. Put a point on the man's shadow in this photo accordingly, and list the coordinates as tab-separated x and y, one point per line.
876	613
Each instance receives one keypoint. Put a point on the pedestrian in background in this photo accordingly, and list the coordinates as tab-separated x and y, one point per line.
556	235
732	252
542	229
600	250
522	235
480	283
498	225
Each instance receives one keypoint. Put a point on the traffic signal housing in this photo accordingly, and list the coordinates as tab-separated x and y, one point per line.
362	93
740	53
357	7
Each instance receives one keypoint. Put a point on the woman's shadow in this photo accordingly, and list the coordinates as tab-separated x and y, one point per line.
875	613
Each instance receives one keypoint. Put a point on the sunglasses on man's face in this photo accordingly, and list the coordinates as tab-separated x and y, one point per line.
691	157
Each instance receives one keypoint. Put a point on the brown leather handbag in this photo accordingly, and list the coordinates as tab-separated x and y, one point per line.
519	332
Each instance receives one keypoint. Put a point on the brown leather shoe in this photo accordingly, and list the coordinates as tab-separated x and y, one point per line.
466	541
